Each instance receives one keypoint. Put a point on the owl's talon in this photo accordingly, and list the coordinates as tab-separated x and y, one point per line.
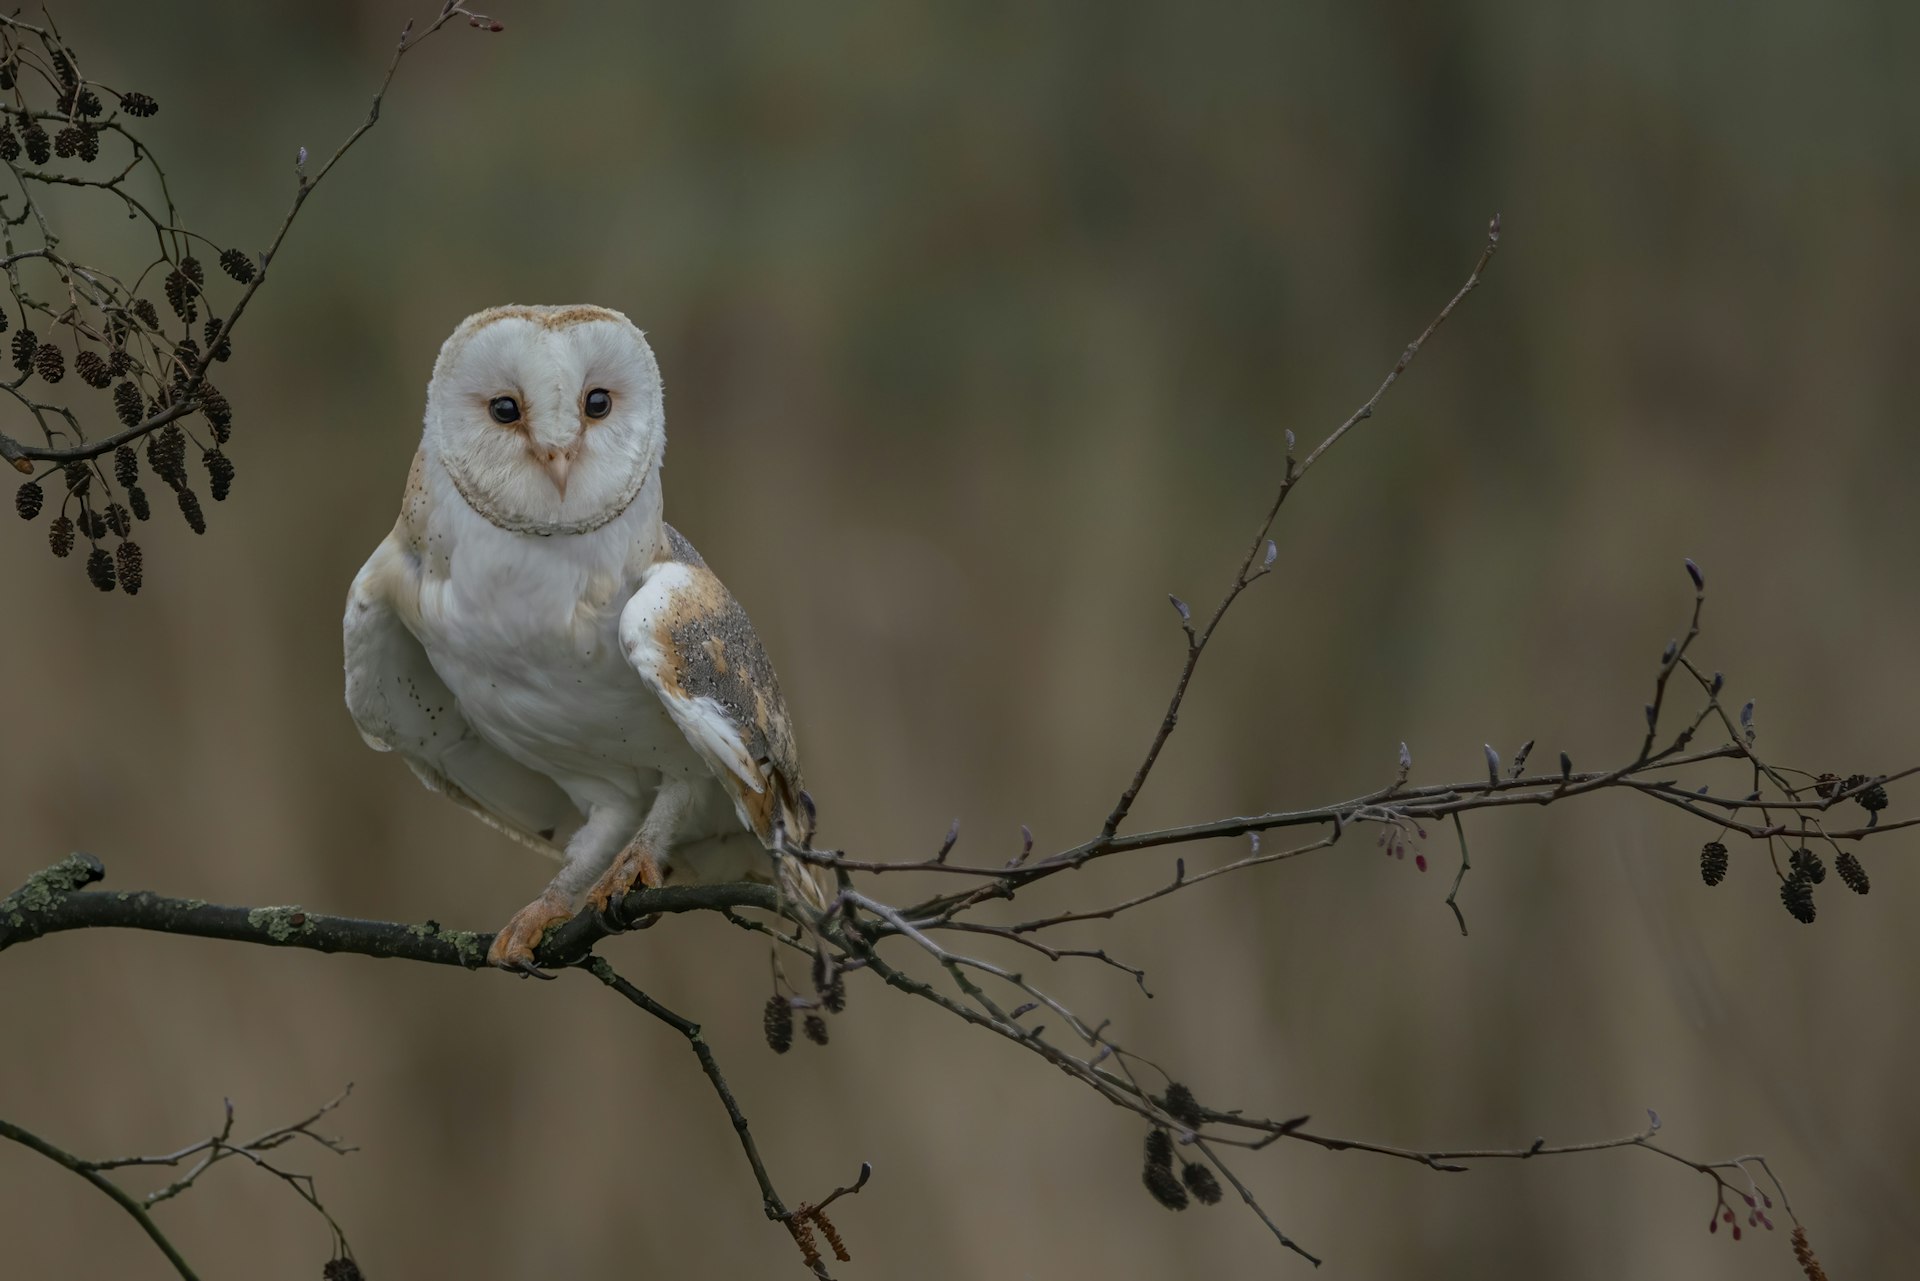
513	946
607	898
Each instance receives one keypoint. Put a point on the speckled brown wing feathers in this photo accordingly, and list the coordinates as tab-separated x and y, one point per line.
691	640
717	655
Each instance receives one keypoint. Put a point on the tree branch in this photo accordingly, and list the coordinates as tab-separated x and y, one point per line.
54	900
119	1195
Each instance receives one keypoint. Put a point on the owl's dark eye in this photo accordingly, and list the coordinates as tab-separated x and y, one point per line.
505	409
599	403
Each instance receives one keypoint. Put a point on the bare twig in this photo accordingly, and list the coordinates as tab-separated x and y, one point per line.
147	365
1466	865
114	1191
1246	574
770	1200
23	456
211	1151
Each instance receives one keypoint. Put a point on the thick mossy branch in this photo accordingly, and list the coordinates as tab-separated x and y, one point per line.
55	900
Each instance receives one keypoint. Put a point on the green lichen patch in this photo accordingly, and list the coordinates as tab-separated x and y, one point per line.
47	888
469	945
280	923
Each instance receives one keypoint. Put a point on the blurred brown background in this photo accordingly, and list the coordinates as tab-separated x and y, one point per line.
981	325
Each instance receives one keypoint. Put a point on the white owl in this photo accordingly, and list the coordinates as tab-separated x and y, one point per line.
542	647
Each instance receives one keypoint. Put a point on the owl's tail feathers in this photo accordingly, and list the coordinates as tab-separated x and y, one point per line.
805	882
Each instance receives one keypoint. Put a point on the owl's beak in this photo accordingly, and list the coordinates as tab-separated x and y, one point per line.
557	463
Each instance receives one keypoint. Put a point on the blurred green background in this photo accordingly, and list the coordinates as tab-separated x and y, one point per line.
981	325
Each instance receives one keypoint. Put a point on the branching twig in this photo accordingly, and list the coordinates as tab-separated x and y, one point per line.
1246	574
119	1195
156	366
770	1200
210	1151
1466	865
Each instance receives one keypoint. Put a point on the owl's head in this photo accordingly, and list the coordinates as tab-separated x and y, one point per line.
548	419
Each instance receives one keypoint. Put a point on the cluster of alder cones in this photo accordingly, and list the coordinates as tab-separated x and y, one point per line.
60	128
1805	868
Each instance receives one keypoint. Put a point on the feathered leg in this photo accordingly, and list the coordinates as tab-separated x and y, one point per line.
606	829
641	861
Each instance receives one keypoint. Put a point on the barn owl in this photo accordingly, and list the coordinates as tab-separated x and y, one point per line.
542	648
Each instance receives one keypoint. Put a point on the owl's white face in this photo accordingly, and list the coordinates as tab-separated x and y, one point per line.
548	419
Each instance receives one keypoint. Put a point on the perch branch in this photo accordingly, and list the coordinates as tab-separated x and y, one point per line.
55	900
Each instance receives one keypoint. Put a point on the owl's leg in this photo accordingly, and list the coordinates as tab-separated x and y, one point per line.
588	851
640	862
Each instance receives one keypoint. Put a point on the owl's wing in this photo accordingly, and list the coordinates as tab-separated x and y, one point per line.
401	705
691	642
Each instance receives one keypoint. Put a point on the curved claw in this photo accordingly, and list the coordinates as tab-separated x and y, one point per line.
527	969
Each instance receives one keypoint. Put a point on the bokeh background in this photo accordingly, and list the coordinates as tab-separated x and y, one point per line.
981	326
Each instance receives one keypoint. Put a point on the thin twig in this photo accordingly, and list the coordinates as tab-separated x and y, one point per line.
23	456
1466	865
770	1201
119	1195
1245	575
